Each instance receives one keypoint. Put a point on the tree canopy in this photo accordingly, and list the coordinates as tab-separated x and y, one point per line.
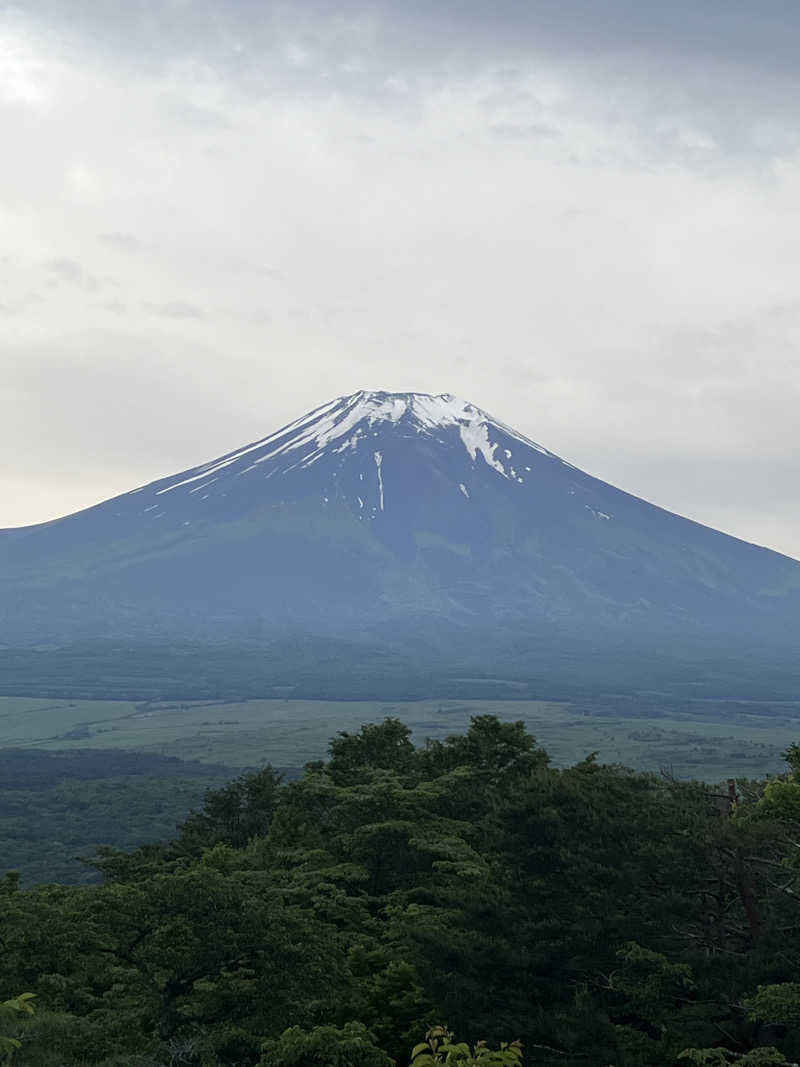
585	915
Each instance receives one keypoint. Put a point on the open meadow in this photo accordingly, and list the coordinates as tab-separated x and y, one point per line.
692	741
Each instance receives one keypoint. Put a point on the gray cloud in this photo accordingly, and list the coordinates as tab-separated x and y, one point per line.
69	272
176	309
578	27
121	242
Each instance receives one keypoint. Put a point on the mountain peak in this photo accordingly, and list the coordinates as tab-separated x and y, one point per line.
429	410
343	424
422	412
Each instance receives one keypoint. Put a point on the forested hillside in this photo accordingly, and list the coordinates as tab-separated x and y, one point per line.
599	916
56	807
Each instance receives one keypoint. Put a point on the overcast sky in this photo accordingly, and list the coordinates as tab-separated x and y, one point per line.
581	215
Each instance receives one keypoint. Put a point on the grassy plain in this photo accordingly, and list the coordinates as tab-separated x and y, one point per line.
690	741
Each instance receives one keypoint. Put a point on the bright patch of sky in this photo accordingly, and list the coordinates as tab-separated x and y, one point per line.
583	217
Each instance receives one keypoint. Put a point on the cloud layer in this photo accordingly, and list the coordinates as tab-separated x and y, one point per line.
583	217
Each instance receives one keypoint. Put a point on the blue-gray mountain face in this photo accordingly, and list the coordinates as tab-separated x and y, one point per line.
385	516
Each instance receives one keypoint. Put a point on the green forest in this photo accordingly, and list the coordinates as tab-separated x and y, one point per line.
462	901
56	807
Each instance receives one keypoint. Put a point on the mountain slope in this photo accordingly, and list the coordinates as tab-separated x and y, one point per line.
389	514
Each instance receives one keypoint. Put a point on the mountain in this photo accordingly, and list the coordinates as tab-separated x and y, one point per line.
402	518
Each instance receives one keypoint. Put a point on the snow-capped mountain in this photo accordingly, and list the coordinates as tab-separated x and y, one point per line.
347	439
383	513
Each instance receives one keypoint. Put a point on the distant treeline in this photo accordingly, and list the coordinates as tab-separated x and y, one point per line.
532	667
600	916
25	768
56	807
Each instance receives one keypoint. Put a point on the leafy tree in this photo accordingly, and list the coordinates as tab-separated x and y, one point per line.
490	746
376	746
10	1011
777	1003
721	1057
352	1045
234	814
439	1047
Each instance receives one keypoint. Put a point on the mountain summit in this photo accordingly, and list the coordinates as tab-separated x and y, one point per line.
351	426
389	515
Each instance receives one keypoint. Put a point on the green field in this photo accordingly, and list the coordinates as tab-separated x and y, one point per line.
698	742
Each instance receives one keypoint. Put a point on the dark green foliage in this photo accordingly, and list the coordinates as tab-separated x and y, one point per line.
58	806
324	1046
765	1056
384	747
10	1012
776	1004
234	814
440	1047
600	916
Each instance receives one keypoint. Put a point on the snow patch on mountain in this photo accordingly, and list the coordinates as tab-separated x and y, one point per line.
475	437
378	462
342	425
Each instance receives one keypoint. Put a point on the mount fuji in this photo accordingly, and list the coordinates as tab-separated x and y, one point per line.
391	517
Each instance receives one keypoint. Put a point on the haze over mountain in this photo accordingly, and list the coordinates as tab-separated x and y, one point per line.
391	517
